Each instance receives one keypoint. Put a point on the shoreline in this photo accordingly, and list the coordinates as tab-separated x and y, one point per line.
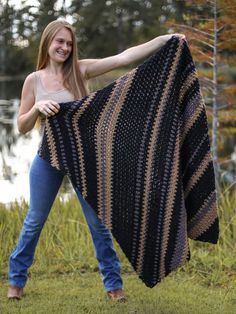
8	78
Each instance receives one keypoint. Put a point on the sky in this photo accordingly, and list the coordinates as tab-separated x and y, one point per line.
18	3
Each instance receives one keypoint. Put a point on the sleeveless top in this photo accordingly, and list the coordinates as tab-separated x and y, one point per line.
41	93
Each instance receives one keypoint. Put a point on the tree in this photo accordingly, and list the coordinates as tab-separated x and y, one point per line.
15	24
209	27
7	15
118	25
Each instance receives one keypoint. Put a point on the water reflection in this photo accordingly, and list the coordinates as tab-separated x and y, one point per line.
17	152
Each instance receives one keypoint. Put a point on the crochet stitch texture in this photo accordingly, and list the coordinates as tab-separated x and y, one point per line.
138	150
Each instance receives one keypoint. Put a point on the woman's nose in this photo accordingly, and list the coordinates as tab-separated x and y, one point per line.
65	46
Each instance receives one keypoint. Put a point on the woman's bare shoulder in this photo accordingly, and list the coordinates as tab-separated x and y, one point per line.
30	78
29	83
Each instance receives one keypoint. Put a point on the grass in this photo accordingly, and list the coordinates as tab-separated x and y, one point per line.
65	243
77	293
64	277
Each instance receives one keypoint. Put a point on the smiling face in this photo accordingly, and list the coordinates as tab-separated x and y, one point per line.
61	46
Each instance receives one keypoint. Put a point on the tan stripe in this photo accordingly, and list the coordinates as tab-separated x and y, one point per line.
105	202
150	160
52	146
209	200
79	144
198	173
169	205
190	122
187	84
204	223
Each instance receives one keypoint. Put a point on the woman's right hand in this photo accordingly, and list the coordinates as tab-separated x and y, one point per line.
47	107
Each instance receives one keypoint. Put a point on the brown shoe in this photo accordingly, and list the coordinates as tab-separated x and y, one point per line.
14	293
117	295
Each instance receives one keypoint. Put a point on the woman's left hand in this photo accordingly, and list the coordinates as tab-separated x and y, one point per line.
169	36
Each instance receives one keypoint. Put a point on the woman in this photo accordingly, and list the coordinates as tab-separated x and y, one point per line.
61	77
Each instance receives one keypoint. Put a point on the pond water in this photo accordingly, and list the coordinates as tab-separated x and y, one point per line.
17	151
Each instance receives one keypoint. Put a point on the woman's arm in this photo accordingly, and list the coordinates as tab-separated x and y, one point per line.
29	110
94	67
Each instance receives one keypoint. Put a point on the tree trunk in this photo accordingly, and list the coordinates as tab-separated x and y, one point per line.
215	109
120	37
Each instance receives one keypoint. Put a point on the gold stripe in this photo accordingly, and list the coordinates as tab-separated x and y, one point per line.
150	158
187	84
52	146
105	186
189	123
198	173
209	200
169	206
204	223
79	144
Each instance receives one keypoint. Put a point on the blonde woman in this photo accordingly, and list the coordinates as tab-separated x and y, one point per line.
61	77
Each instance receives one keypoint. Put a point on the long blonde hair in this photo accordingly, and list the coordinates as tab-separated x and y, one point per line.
73	80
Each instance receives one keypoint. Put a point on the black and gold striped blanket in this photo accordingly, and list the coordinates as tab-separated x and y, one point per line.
138	150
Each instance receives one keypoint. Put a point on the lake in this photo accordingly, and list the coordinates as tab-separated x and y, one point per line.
18	151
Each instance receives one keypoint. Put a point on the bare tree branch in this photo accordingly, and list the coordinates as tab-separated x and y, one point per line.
194	29
204	54
222	107
203	42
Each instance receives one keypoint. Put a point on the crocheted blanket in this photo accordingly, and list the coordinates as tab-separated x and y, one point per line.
138	150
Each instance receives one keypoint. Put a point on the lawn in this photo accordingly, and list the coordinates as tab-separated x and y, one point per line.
73	293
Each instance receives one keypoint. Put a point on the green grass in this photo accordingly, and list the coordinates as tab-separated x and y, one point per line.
64	277
65	243
77	293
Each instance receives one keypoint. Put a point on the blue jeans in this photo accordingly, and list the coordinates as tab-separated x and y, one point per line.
45	182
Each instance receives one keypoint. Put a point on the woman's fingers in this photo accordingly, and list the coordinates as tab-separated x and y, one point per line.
53	108
48	108
50	111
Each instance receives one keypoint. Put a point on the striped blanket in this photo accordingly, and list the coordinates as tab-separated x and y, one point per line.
138	150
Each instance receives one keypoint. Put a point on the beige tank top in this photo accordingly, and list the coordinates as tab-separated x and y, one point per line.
62	95
41	93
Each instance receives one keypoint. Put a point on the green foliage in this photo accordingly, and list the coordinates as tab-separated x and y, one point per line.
118	25
46	14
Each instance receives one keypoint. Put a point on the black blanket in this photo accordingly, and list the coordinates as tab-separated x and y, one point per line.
138	150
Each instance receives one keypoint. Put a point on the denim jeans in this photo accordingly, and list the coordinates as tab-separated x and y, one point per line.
45	182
